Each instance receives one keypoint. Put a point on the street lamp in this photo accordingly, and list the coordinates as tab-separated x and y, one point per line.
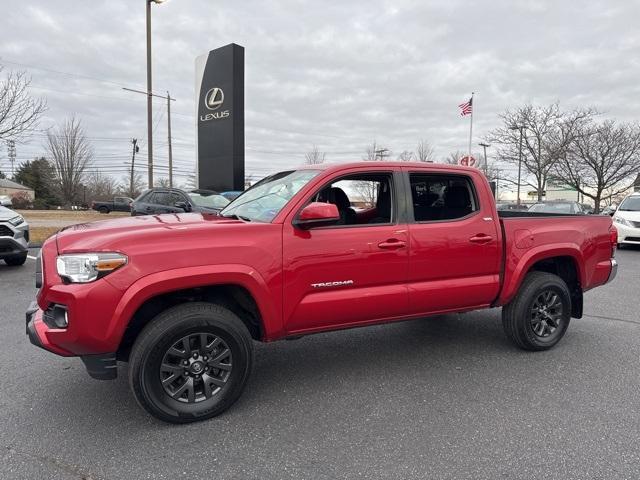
521	128
484	147
149	94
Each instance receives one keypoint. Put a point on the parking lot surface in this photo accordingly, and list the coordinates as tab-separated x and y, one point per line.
446	397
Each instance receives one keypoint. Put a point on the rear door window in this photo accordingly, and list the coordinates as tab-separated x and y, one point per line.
442	197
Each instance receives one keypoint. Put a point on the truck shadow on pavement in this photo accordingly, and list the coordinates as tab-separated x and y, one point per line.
339	365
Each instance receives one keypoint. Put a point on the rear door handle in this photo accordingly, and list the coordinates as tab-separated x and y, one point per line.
481	238
392	244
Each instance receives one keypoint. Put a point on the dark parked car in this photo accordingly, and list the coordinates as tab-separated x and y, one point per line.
118	204
175	200
563	208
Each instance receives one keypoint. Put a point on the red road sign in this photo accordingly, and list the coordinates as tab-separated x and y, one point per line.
468	161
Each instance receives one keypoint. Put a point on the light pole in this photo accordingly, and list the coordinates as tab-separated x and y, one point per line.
484	147
521	128
169	99
149	94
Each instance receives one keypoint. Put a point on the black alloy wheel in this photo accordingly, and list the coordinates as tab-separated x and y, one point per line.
546	313
539	315
191	362
196	367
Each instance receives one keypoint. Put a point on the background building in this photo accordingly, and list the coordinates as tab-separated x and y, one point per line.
10	188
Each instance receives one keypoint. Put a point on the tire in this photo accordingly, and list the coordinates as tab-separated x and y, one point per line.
103	210
16	260
152	361
522	319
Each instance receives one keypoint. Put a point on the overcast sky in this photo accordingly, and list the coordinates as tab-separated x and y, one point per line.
334	74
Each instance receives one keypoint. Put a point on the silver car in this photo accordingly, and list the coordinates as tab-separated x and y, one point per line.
14	237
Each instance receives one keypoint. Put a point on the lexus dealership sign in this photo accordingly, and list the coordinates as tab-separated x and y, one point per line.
220	118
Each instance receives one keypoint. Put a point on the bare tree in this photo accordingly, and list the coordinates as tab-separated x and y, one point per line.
545	133
453	158
425	152
376	153
406	156
314	156
70	153
601	160
162	182
367	190
19	111
100	186
126	189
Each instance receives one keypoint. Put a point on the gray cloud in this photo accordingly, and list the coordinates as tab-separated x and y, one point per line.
334	74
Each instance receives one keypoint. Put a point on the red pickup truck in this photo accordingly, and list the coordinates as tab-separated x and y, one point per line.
182	297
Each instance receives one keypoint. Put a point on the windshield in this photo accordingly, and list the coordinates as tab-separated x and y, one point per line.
631	204
208	201
265	199
552	208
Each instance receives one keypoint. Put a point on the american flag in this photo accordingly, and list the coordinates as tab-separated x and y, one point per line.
466	107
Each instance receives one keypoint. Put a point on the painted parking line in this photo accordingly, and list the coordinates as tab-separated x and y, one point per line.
32	258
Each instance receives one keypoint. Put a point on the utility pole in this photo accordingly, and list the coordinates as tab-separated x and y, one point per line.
11	153
381	153
169	99
149	93
134	141
169	139
484	146
149	99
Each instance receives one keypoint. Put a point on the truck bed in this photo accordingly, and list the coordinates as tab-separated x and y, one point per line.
528	237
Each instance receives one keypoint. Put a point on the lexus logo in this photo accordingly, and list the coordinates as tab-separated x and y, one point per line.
214	98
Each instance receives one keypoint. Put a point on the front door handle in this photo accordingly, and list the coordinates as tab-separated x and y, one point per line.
481	238
392	244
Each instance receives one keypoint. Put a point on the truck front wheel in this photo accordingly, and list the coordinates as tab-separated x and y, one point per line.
538	317
190	363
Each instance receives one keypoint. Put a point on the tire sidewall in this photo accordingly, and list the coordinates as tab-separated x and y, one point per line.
145	368
546	342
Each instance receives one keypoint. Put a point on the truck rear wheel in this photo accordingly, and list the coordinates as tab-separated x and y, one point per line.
538	317
103	210
190	363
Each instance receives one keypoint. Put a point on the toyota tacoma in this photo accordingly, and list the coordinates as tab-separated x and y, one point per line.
182	297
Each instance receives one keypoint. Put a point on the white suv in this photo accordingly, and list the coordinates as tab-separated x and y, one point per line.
627	220
14	237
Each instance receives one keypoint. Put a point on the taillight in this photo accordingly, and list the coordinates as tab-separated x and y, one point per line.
613	238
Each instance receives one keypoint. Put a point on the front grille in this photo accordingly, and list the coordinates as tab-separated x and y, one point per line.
632	239
635	224
5	231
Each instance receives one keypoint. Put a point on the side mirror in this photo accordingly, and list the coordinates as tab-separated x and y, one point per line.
183	205
317	214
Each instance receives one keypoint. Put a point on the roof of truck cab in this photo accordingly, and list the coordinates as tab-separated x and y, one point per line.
388	164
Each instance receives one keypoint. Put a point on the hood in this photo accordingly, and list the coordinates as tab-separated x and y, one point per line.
117	234
628	215
7	213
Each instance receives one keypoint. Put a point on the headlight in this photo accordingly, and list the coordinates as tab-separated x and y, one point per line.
623	221
17	220
88	267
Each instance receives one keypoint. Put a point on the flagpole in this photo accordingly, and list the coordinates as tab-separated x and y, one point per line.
471	125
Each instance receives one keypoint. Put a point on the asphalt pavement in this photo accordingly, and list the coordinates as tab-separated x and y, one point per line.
440	398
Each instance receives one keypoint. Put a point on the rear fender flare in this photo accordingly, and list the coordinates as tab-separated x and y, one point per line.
530	258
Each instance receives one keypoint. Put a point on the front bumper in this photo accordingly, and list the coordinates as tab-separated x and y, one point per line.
14	240
101	366
628	235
